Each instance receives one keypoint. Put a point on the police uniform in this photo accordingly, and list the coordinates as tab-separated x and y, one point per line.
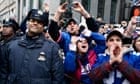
32	60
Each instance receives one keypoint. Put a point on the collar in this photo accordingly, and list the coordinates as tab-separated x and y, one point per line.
4	41
32	42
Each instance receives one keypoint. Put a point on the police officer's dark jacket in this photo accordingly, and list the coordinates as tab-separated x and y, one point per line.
31	61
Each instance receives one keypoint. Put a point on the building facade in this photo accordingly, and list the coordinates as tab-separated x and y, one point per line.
7	9
112	11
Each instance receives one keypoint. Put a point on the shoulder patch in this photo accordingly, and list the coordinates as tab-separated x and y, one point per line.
61	53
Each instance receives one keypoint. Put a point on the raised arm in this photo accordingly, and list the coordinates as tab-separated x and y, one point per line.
53	27
90	21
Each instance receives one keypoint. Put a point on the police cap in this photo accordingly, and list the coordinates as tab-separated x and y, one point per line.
40	16
11	23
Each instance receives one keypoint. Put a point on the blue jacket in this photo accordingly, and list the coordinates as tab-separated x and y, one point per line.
73	64
31	61
126	72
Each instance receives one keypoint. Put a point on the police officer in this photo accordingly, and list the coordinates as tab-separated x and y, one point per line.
10	26
32	59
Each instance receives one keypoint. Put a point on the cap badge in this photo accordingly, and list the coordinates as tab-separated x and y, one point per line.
40	12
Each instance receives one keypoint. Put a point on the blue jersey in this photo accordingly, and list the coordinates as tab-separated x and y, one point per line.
128	72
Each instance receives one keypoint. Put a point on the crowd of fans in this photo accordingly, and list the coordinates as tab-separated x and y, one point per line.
43	51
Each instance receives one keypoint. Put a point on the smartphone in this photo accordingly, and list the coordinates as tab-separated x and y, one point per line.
138	21
74	5
137	29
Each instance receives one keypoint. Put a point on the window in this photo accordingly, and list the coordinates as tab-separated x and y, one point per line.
101	4
113	11
31	3
40	3
62	1
86	4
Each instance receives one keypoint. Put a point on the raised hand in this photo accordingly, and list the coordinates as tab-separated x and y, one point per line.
116	54
46	7
61	9
78	7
